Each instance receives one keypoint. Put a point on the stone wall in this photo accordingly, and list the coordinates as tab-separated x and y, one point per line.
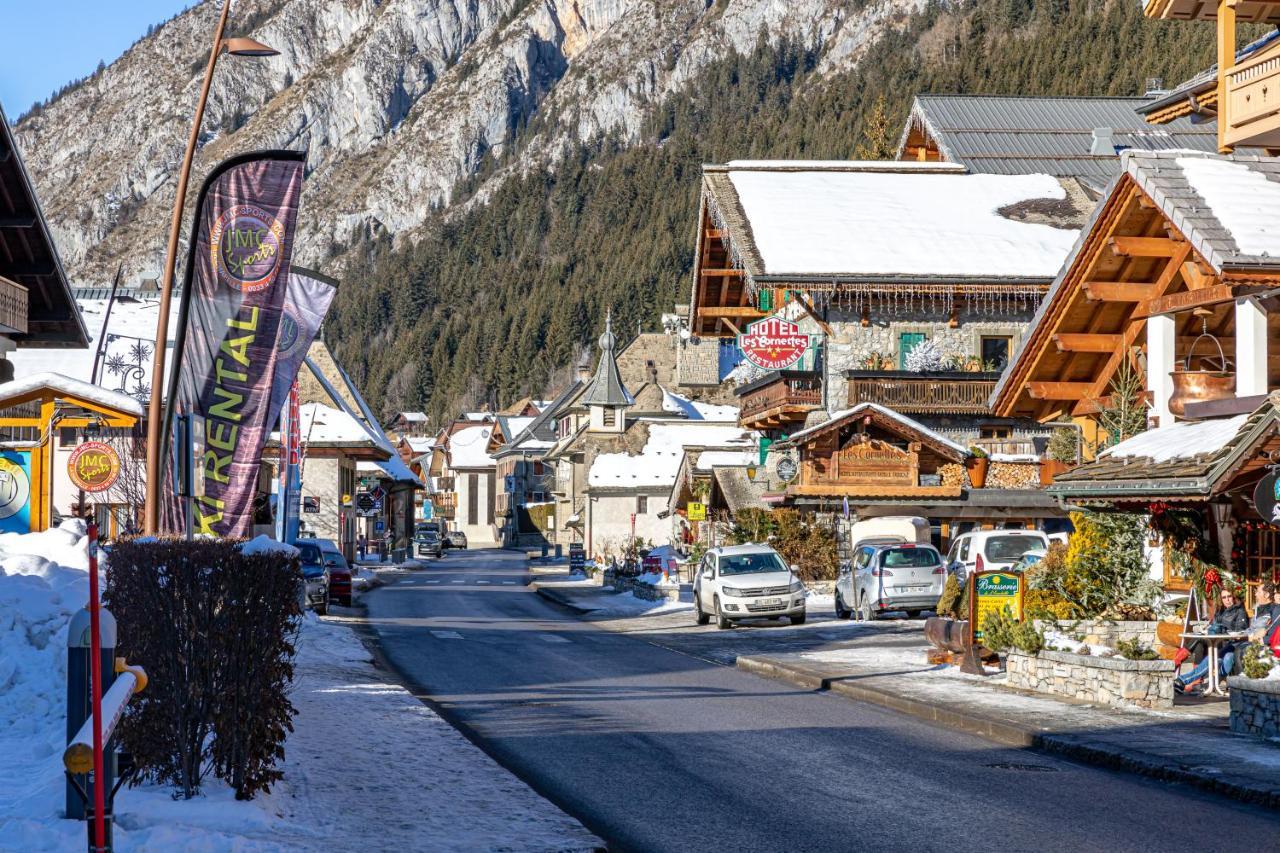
1106	681
1255	706
648	592
1101	632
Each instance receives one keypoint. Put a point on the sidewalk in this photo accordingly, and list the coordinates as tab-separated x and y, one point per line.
586	596
1191	744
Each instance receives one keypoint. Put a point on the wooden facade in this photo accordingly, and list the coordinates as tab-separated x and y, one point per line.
779	400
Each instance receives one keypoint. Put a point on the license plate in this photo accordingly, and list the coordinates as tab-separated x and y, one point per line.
919	588
769	602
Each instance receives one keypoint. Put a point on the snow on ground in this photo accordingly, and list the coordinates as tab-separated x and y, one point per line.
629	604
363	749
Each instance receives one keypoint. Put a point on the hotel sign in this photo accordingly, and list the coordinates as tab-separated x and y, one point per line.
773	344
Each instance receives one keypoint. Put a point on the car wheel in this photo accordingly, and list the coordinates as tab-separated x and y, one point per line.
865	613
842	612
321	608
722	621
914	614
345	601
799	618
702	616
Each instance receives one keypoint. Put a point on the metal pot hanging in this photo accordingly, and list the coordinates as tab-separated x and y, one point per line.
1210	382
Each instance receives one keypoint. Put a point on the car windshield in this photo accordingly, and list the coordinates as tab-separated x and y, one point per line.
309	555
909	558
335	560
428	534
746	564
1004	549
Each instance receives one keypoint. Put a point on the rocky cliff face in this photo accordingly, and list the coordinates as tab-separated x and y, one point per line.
395	101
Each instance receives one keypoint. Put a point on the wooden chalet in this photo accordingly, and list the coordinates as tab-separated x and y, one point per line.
1240	91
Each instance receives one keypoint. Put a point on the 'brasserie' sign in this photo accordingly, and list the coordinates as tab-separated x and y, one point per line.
773	344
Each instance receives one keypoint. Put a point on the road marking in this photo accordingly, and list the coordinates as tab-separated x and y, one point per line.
551	638
482	581
508	583
447	635
457	581
436	581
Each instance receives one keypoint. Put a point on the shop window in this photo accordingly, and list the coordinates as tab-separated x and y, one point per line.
538	469
66	436
907	341
995	352
642	504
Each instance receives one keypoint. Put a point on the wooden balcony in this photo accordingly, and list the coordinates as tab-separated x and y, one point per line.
923	393
779	399
13	307
1253	101
444	504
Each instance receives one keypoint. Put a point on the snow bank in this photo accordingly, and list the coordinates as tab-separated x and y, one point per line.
266	545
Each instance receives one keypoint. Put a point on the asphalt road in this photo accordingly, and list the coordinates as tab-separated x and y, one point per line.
656	749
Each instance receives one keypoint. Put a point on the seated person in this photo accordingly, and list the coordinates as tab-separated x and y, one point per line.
1230	618
1266	608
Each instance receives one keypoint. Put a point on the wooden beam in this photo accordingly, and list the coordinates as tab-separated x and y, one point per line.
1144	247
1195	277
812	311
720	273
1058	390
1117	291
1083	342
17	222
732	327
1189	299
714	233
746	311
15	270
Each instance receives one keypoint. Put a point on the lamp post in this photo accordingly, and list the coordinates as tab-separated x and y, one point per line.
155	416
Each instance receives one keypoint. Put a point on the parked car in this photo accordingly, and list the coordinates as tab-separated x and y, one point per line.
746	582
315	577
888	577
1028	560
887	529
336	565
456	539
987	550
427	543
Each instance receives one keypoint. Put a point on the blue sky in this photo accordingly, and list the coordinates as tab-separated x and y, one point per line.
45	44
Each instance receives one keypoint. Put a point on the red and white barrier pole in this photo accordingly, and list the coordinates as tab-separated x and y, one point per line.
95	692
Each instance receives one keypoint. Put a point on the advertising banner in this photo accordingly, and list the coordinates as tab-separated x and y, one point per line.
15	491
228	336
306	303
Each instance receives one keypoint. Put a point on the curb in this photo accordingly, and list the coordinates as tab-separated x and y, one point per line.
556	598
1009	734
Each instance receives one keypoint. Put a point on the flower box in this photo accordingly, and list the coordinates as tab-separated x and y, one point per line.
1110	681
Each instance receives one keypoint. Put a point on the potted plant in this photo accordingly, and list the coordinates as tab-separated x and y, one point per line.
978	464
1060	455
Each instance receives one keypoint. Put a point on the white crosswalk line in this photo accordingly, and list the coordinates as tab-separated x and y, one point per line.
446	635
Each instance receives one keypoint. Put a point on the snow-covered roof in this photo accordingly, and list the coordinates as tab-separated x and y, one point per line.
393	468
127	358
659	462
695	411
886	221
468	447
72	388
321	424
1182	440
477	417
910	423
709	459
413	417
420	444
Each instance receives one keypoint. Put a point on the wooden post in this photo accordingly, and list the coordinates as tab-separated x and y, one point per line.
42	471
1226	61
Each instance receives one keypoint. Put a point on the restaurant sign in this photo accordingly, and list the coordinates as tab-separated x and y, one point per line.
993	592
94	466
773	343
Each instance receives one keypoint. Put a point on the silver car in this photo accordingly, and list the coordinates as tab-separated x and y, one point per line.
887	577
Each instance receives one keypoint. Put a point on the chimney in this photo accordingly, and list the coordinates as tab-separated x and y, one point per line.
584	371
652	370
1103	144
1155	87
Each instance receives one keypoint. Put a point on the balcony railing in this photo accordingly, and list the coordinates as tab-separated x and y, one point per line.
13	307
786	396
444	504
1253	101
923	393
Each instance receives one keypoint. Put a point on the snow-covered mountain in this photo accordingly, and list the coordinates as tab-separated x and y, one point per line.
395	101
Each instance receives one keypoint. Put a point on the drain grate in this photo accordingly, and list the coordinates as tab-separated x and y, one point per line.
1029	768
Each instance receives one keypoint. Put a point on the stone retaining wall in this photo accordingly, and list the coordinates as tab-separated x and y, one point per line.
1255	706
648	592
1101	632
1106	681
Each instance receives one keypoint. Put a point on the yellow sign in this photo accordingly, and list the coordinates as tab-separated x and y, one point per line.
696	511
993	592
94	466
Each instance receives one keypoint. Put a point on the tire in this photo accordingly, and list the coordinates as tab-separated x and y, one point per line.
842	612
722	621
865	613
322	608
702	616
345	601
799	619
914	614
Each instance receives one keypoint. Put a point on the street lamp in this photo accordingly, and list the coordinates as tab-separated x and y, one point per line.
155	416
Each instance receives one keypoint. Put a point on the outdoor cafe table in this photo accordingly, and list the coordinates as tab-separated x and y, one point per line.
1214	642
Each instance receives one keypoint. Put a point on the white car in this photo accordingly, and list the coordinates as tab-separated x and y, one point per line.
987	550
746	582
887	577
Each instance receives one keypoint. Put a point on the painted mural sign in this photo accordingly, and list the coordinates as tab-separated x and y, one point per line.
773	343
94	466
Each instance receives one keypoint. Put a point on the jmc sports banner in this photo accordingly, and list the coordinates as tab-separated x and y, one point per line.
773	343
305	305
228	336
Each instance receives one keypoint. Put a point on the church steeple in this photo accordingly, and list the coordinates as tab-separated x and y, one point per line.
606	397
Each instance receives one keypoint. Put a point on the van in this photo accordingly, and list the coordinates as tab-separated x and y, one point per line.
988	550
889	529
